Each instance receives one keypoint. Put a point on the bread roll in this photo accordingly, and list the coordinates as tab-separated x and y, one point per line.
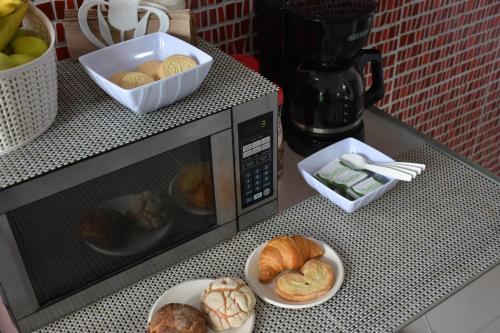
228	302
196	183
106	228
177	318
150	210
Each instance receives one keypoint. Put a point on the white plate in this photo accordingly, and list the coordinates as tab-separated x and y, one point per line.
180	198
190	293
138	240
266	290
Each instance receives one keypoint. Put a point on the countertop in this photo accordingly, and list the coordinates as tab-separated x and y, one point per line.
473	308
400	261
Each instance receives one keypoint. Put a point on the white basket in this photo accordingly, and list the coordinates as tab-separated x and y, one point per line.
28	93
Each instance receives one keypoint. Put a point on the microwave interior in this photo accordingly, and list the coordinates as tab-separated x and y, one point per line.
85	234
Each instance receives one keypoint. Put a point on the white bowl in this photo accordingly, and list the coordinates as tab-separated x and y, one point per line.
309	166
126	56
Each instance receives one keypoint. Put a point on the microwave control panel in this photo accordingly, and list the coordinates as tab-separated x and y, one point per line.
256	159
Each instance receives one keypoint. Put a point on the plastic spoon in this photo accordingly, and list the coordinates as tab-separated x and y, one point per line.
358	162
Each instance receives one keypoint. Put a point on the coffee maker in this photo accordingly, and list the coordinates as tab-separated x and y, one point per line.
313	48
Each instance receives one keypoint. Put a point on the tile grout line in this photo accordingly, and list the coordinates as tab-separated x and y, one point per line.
488	324
429	328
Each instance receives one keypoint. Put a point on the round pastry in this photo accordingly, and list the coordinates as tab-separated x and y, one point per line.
228	303
150	68
203	196
133	80
150	210
193	175
117	78
106	228
314	280
176	64
178	318
195	182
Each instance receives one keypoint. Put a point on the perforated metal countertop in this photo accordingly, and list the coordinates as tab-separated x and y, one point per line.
401	254
89	122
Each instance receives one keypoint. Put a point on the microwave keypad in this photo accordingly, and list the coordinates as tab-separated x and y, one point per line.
256	163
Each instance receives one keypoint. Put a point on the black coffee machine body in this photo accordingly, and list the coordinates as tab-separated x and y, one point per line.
313	48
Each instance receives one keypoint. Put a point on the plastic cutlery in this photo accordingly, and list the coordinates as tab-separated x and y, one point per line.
411	166
413	173
358	162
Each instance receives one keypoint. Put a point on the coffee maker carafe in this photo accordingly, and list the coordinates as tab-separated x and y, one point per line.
321	67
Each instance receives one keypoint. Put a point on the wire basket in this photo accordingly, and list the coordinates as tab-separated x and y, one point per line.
28	93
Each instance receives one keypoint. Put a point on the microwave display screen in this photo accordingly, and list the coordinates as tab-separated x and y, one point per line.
256	159
78	237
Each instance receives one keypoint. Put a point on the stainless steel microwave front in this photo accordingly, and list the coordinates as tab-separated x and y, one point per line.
38	220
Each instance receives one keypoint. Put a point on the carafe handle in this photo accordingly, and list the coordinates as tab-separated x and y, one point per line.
376	91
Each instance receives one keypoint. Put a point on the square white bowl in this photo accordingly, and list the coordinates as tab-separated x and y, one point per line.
310	165
126	56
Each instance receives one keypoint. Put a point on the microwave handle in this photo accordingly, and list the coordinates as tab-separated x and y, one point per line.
223	176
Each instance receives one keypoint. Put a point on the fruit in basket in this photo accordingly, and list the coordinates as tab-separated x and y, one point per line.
7	7
6	62
21	59
11	15
32	46
19	33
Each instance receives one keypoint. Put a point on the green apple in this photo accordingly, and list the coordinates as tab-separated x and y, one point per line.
6	62
21	59
32	46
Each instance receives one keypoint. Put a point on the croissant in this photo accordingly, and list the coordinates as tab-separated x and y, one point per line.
283	253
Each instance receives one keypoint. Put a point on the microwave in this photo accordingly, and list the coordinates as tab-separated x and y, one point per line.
73	235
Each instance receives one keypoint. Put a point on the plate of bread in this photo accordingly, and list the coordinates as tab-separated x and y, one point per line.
129	224
192	189
294	272
204	306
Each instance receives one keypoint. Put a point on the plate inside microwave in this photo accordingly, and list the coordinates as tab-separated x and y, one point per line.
181	199
137	240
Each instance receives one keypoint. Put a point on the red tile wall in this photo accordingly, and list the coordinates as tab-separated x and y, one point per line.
441	63
442	71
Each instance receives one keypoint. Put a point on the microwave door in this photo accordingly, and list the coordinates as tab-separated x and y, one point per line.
56	257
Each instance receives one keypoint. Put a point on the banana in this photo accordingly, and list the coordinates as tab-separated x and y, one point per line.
7	7
10	23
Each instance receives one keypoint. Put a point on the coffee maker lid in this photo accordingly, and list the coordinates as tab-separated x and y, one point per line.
327	10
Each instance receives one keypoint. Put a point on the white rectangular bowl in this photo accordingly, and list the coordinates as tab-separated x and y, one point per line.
126	56
309	166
